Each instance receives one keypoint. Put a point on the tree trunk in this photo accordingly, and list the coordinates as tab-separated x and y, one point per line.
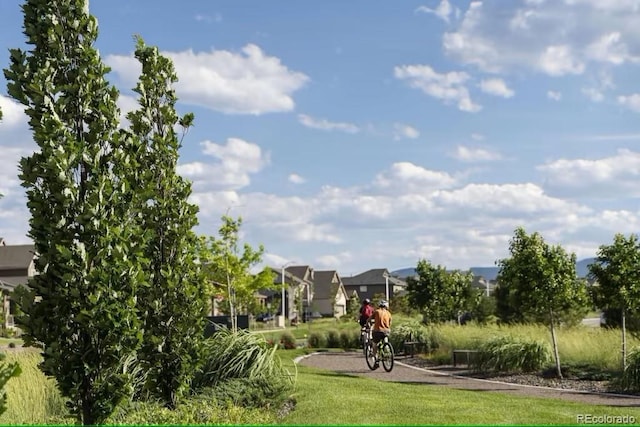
624	341
555	344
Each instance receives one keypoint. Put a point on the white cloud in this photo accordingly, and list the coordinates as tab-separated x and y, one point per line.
560	60
246	82
448	87
442	11
408	177
468	154
12	113
557	38
496	87
610	177
631	102
324	124
554	95
237	160
296	179
477	137
402	131
593	94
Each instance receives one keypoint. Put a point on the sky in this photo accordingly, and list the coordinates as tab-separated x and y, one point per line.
352	135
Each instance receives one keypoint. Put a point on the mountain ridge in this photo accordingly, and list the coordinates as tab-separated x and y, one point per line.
490	273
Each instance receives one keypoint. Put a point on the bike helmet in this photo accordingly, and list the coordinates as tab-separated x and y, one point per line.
383	303
366	301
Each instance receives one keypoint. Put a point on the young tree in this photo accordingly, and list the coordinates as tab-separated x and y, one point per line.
173	305
223	264
439	294
617	271
89	244
544	278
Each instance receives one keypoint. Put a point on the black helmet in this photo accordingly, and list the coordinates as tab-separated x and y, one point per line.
366	301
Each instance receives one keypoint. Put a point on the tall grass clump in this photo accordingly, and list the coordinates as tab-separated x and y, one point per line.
510	354
333	338
317	340
349	339
287	340
242	364
630	379
32	398
426	337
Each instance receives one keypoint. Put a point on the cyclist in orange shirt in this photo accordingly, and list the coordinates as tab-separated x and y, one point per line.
381	325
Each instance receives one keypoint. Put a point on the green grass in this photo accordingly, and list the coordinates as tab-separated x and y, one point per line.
324	397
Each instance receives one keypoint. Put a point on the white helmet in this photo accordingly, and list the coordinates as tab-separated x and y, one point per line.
383	303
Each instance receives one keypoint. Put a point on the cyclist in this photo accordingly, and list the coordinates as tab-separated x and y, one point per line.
381	325
365	312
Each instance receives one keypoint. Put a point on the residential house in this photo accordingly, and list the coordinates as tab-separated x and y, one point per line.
298	290
16	267
372	282
330	297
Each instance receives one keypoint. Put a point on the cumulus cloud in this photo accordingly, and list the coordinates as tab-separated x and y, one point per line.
469	154
324	124
236	161
609	177
245	82
408	177
557	38
296	179
402	131
631	102
13	115
448	87
496	87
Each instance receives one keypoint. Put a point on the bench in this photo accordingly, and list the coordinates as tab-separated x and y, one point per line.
465	357
410	346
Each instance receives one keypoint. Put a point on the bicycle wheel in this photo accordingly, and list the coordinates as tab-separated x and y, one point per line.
387	356
368	354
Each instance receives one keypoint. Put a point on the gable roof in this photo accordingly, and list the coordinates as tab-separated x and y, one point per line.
375	276
304	272
15	257
323	284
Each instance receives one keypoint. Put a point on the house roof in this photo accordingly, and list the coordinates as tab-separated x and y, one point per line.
16	256
288	277
304	272
323	284
375	276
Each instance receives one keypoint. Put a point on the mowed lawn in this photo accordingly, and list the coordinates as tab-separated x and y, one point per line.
324	397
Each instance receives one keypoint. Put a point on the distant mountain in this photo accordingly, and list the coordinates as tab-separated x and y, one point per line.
490	273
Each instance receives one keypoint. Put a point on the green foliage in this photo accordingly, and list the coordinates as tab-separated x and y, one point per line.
353	306
349	339
317	340
260	392
333	338
508	354
240	355
630	380
288	340
89	243
190	412
227	271
439	294
7	371
425	336
484	311
400	304
172	306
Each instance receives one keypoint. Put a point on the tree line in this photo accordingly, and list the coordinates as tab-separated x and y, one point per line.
538	282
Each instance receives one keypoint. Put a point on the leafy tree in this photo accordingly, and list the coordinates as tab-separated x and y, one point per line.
353	306
89	243
543	279
173	304
223	264
617	271
439	294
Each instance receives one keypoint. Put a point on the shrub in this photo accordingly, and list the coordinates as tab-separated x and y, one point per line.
630	380
260	392
508	354
425	336
288	340
316	340
333	338
349	339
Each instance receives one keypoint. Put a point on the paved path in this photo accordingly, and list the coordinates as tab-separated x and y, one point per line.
354	364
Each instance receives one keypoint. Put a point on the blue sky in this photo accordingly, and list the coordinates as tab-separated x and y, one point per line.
356	135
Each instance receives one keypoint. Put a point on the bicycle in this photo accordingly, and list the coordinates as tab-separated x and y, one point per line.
385	354
365	338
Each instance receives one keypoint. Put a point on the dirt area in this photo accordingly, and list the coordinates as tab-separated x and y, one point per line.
406	370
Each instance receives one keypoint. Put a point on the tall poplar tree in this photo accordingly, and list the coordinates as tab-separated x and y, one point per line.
173	306
88	240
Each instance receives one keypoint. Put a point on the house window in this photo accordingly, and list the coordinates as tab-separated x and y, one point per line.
363	288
